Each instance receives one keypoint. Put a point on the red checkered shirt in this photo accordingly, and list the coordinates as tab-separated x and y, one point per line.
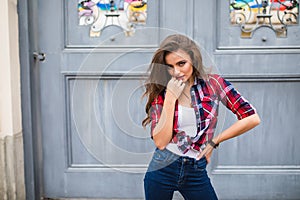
205	96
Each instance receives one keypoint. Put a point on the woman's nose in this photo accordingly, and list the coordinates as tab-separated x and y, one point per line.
176	70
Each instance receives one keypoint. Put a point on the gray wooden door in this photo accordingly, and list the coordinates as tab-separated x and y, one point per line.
92	141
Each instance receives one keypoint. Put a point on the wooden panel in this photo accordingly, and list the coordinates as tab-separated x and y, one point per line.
105	131
79	36
267	156
277	105
228	36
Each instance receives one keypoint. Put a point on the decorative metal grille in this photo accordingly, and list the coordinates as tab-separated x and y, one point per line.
254	14
101	14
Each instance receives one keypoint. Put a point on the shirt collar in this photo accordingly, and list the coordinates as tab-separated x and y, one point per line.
198	81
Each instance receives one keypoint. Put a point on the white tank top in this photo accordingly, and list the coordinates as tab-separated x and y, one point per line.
187	123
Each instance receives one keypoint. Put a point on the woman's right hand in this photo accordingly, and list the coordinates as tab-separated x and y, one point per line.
175	87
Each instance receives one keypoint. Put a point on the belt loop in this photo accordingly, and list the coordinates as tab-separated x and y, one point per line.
195	163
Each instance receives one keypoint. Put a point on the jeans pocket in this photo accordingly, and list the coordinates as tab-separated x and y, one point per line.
200	165
161	159
160	155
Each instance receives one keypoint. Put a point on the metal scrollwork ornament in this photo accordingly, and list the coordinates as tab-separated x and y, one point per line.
102	14
254	14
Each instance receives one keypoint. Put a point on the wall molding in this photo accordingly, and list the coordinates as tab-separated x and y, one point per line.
138	75
272	169
256	50
263	77
131	168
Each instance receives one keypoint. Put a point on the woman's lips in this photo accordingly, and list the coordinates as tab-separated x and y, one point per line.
180	77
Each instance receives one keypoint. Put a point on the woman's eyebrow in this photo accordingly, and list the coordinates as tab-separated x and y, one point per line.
178	62
181	61
169	65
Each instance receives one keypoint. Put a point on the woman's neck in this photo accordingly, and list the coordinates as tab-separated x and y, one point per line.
185	97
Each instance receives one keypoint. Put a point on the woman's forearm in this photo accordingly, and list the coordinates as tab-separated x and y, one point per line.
162	133
238	128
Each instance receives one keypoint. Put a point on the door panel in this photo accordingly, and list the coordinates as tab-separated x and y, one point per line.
93	142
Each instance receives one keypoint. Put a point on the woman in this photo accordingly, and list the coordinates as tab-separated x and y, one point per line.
182	109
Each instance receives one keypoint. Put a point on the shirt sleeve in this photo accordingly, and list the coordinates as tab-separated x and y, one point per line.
155	112
232	99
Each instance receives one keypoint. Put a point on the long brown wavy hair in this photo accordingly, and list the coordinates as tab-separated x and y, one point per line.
159	76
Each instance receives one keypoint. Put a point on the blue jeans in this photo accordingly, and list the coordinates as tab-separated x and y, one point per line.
168	172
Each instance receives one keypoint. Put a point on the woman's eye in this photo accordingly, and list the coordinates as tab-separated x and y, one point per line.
181	63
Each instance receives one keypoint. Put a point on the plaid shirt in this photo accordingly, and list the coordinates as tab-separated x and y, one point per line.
205	96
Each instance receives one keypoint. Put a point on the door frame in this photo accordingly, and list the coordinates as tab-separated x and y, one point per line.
30	101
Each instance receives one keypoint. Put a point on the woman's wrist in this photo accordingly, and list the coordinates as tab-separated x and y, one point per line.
213	143
170	97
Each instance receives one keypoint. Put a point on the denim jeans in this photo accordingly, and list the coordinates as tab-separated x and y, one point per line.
168	172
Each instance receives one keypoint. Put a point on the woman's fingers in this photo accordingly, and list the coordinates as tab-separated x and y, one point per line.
206	152
175	87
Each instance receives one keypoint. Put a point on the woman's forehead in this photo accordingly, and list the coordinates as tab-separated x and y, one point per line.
177	55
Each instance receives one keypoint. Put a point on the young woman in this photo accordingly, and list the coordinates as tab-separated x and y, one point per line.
182	109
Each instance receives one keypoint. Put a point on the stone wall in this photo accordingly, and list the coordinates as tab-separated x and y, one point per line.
11	139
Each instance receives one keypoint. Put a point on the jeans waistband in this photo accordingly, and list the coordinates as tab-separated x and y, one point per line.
184	159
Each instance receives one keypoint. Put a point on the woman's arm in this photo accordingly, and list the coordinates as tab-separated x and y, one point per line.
238	128
245	112
162	133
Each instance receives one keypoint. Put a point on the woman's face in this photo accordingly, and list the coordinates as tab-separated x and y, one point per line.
180	65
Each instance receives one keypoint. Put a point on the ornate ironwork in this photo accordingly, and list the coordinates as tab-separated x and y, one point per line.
101	14
254	14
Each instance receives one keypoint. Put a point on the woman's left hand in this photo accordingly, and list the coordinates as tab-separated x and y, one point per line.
206	152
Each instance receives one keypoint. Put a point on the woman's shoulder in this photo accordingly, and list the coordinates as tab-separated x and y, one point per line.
213	81
217	79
